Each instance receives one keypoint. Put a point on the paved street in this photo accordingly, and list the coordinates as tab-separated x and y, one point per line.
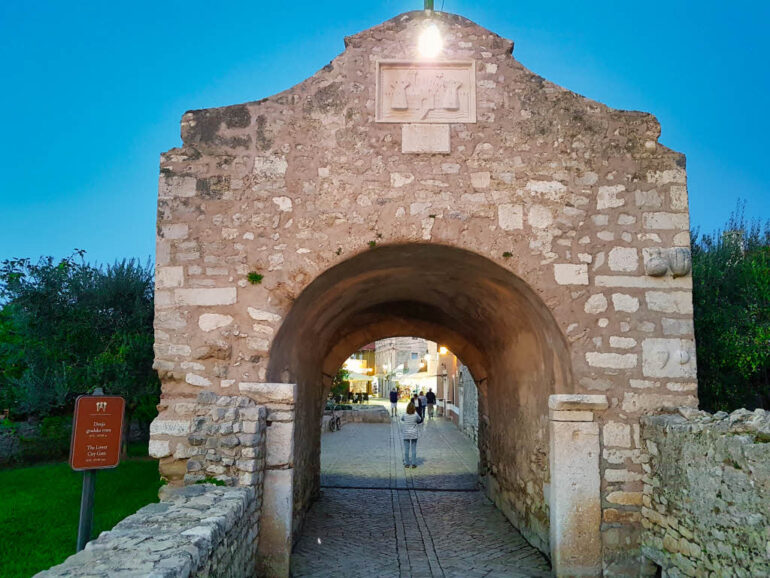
376	518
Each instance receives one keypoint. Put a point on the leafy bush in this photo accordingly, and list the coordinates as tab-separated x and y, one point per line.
731	298
51	441
68	327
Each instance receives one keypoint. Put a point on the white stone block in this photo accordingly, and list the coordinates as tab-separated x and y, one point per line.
595	304
616	434
425	138
480	180
638	402
206	297
622	342
166	277
269	392
398	180
539	217
172	427
666	221
571	274
279	444
626	303
678	196
275	523
283	203
260	315
574	499
258	343
197	380
667	176
611	360
624	259
510	217
577	402
562	415
615	476
670	301
648	199
677	326
552	190
176	231
159	448
176	187
212	321
607	198
668	358
270	167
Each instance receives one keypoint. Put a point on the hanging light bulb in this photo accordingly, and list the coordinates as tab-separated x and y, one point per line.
430	42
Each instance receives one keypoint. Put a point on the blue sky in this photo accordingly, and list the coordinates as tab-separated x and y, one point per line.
93	92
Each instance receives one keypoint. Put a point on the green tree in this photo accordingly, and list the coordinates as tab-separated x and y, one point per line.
68	327
731	298
341	382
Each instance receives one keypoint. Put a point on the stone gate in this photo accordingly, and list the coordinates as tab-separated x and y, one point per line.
541	236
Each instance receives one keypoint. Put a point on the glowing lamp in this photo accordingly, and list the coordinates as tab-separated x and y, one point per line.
430	42
443	350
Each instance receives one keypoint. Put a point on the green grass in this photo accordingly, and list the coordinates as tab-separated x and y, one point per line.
39	512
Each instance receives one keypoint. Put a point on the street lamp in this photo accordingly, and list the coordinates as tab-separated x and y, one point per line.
430	42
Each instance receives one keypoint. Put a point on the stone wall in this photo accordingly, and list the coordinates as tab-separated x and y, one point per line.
470	405
706	498
211	436
200	530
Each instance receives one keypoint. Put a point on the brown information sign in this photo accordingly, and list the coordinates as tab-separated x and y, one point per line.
96	432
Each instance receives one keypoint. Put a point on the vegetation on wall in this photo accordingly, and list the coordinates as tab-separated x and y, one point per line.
68	327
731	298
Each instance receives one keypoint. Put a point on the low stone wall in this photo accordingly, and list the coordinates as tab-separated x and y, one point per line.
199	530
219	436
706	502
361	414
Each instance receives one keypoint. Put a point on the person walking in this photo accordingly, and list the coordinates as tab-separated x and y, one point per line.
423	404
393	402
410	434
431	397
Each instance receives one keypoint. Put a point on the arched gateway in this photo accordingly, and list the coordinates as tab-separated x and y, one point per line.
540	235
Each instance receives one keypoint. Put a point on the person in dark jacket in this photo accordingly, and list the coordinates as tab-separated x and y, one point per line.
431	397
393	402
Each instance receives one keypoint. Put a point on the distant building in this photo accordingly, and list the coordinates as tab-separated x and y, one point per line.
360	367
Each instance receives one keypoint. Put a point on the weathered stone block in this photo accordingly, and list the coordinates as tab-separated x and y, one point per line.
510	217
168	277
668	358
159	448
425	138
206	297
270	392
570	274
171	427
279	444
669	301
211	321
611	360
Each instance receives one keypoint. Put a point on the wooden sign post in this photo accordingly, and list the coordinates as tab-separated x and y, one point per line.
97	431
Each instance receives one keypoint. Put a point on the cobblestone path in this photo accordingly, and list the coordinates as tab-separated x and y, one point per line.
377	519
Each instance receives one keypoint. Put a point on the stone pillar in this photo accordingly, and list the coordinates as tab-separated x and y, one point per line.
575	495
275	525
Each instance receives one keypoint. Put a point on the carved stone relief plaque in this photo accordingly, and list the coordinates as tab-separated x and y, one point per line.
426	92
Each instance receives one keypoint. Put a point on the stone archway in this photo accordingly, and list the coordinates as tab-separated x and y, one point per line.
570	218
484	313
